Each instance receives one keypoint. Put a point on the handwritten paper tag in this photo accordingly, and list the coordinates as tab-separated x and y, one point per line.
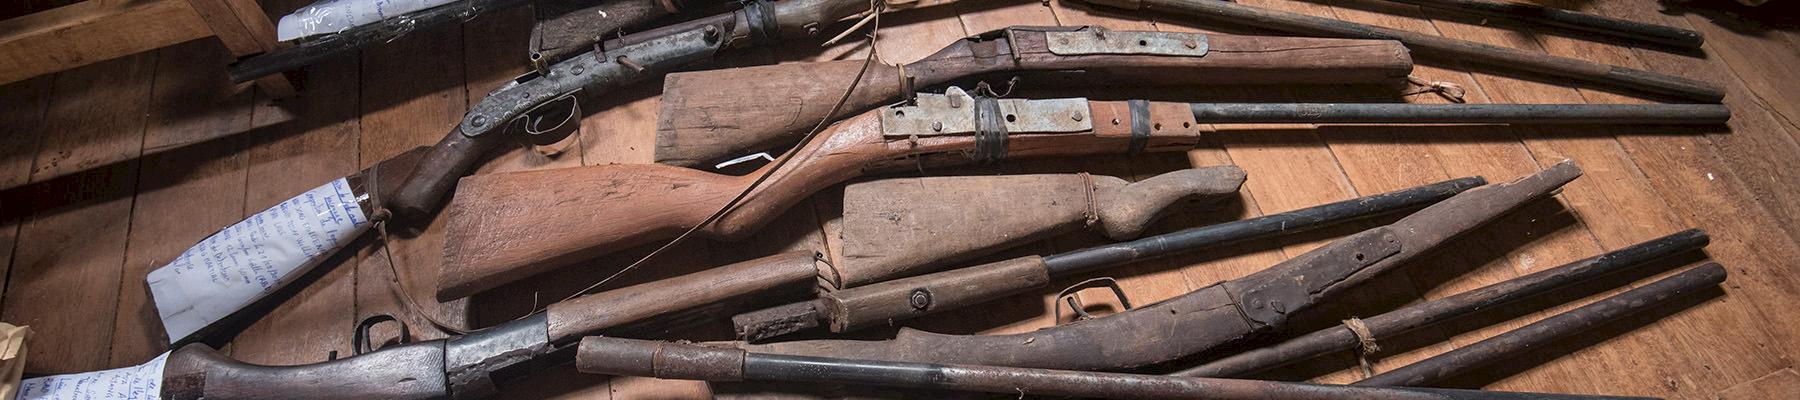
142	382
248	260
333	16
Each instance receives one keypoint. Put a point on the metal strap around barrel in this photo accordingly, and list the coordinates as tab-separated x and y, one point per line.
760	17
990	131
1140	125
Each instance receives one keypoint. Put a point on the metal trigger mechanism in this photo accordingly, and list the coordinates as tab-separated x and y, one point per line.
359	338
1067	295
551	140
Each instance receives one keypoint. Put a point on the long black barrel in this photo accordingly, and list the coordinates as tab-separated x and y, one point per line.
1433	45
1633	30
1544	331
1663	114
1418	315
1092	258
631	357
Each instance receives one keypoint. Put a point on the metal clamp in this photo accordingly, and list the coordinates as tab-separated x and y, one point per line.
952	113
1101	41
1068	295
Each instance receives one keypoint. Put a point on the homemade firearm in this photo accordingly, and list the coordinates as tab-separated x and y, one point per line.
1406	319
499	232
1550	329
891	301
1587	23
631	357
1436	46
905	226
711	115
1222	313
470	366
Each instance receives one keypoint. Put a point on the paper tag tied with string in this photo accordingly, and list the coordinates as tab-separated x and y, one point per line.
141	382
250	259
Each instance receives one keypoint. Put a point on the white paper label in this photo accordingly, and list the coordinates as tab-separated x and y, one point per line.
332	16
142	382
256	256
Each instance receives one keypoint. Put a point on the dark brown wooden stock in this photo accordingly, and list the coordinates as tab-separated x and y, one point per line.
586	315
1435	46
1547	330
504	227
1401	321
710	115
899	227
438	172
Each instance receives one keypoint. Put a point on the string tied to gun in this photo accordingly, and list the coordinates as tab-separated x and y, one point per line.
1447	90
1365	344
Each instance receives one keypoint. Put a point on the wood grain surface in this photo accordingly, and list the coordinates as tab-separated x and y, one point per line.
76	239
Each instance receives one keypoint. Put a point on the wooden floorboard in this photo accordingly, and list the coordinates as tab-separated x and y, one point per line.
78	231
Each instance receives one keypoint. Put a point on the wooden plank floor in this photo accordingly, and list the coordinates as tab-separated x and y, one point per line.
74	248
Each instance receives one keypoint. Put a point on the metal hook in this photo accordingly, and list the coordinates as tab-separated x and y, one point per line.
359	339
1068	295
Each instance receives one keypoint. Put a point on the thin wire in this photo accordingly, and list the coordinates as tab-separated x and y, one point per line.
874	30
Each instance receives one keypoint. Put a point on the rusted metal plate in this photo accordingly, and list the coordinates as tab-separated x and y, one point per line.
1102	41
953	113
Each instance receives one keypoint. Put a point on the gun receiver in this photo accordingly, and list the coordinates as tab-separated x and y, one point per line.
499	230
631	357
888	302
618	62
710	115
470	366
1222	313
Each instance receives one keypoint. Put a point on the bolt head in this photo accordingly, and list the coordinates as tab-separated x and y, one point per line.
920	299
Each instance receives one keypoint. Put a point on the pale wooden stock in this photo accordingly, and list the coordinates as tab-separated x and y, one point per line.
507	226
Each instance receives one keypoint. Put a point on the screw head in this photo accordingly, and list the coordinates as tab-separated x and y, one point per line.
937	126
1190	43
1075	116
920	299
478	121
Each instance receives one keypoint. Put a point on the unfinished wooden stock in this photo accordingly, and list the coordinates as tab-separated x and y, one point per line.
710	115
504	227
585	315
1436	46
1222	313
905	226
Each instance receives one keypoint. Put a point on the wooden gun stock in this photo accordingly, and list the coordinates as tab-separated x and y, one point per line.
504	227
709	115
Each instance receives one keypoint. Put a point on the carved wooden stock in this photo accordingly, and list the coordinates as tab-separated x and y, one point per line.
709	115
507	226
906	226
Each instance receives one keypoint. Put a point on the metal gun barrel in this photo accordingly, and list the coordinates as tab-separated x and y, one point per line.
1089	259
1664	114
1549	329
